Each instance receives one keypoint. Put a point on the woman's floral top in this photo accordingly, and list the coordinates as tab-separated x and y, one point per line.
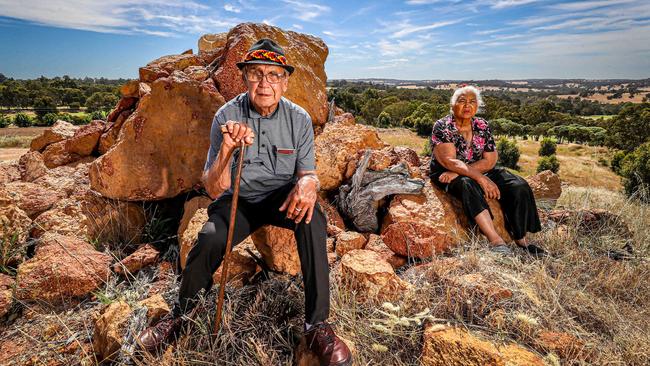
445	131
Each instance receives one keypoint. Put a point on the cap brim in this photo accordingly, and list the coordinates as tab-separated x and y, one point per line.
265	62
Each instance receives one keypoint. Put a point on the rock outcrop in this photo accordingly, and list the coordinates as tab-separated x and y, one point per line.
144	256
447	346
6	294
372	279
278	248
62	268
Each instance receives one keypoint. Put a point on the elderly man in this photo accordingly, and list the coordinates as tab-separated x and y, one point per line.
278	187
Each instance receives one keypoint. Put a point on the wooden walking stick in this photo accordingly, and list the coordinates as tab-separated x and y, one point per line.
231	228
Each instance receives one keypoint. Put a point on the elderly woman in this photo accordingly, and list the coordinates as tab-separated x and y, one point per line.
463	164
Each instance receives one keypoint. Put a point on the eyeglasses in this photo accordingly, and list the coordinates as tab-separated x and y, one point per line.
272	77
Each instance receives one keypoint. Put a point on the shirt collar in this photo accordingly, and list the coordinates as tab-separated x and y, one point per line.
252	113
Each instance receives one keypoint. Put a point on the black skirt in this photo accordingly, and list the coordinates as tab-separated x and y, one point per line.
517	200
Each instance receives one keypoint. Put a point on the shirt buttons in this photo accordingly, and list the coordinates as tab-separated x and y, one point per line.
263	132
263	145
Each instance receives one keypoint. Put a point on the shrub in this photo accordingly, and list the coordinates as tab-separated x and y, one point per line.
80	119
424	125
547	147
98	115
548	163
508	153
617	159
426	151
384	120
635	170
75	106
4	121
22	120
47	120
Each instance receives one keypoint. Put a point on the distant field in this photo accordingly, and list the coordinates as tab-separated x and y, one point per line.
579	165
602	98
606	117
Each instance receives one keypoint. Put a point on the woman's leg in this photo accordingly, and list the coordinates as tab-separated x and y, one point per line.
476	208
518	204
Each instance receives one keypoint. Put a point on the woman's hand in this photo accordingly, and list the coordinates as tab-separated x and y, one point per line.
491	190
236	132
447	177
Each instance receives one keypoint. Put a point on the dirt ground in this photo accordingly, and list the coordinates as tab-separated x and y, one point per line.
11	153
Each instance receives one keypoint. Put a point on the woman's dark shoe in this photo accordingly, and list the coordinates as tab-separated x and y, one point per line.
534	250
329	348
153	338
502	249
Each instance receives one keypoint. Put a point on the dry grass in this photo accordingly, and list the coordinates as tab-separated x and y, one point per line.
15	141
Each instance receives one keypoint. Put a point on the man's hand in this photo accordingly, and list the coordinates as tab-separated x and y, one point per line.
491	190
236	132
447	177
301	200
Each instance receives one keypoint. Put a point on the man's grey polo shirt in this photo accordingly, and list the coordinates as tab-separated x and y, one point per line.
284	145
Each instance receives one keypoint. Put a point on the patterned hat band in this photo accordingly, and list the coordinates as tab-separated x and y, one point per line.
265	55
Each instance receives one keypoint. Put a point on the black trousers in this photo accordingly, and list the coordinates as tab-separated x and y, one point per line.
210	248
517	200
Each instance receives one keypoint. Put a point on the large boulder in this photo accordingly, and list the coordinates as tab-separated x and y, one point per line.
377	245
211	42
186	242
32	198
68	180
65	218
307	53
433	222
60	131
31	166
279	249
162	145
370	277
9	172
14	222
63	267
166	65
349	240
336	148
449	346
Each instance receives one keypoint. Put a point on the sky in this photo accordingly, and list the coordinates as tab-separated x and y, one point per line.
400	39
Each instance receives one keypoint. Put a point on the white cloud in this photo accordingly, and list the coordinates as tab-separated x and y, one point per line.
231	8
399	47
500	4
296	26
307	11
585	5
153	17
409	29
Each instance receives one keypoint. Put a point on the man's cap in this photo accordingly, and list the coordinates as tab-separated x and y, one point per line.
266	52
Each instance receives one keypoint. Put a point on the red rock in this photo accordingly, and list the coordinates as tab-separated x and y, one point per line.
242	265
14	227
564	345
56	154
446	346
108	138
169	129
123	104
279	249
85	139
143	257
186	242
377	245
130	89
336	147
332	214
433	222
6	294
32	198
112	221
370	278
546	186
210	42
349	240
60	131
164	66
305	52
66	218
63	267
9	172
31	166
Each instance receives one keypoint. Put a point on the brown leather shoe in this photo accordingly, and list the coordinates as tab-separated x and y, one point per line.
153	338
329	348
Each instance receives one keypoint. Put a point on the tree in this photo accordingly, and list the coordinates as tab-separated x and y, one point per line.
635	170
4	120
43	106
547	147
424	125
508	153
400	110
101	101
629	129
384	120
371	109
548	163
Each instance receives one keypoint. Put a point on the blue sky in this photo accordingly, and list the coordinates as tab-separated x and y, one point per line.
408	39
